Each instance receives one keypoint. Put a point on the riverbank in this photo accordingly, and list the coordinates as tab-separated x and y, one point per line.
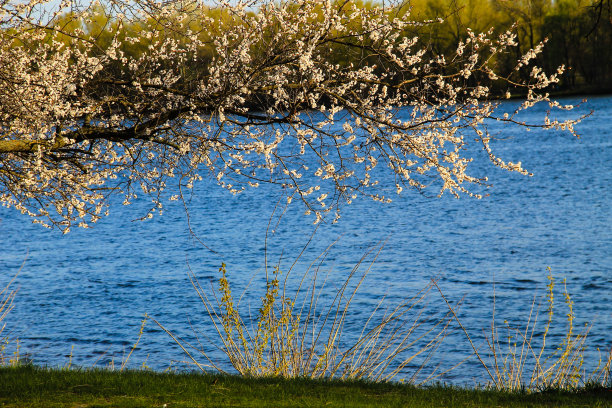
29	386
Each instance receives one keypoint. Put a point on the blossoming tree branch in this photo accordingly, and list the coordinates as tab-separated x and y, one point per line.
319	98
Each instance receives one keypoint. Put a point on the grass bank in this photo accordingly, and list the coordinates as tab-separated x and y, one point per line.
28	386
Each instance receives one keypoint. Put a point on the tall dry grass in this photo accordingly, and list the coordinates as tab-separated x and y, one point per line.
7	295
302	332
519	356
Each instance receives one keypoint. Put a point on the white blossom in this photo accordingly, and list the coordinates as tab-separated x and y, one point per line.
248	98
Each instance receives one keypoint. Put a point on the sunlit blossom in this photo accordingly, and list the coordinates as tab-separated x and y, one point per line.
249	98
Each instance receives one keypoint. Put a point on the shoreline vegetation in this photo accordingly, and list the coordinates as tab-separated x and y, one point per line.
29	386
577	35
528	371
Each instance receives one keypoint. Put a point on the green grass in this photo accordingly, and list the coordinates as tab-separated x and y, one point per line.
28	386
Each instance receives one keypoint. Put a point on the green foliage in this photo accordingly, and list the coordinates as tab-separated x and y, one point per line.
579	32
581	38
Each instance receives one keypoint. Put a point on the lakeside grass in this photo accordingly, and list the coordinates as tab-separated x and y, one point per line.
29	386
558	378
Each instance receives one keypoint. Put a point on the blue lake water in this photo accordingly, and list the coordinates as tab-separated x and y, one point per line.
86	292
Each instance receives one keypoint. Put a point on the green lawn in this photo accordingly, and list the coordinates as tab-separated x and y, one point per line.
36	387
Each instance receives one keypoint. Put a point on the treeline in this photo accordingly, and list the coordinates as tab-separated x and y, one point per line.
578	33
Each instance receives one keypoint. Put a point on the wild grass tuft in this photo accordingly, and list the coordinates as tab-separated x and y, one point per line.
7	295
522	358
297	334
